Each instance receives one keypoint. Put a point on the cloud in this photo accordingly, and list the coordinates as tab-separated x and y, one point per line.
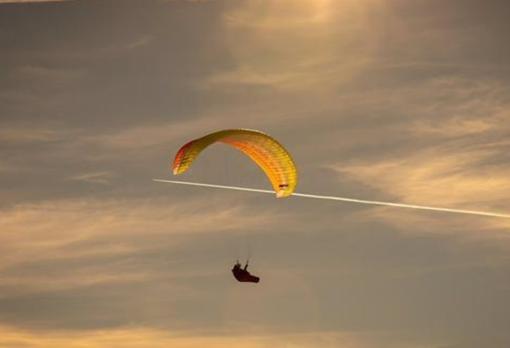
438	176
46	73
58	232
454	127
140	42
286	45
138	337
27	1
94	178
141	136
20	135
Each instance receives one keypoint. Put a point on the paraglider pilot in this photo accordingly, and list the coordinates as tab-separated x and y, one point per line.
242	274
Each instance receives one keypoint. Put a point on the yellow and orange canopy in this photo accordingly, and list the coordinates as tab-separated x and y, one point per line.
264	150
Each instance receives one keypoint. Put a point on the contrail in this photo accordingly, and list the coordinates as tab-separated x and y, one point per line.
343	199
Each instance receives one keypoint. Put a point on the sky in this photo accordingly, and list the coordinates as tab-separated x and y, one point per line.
391	100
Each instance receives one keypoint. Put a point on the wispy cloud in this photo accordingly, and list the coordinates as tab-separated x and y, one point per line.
438	176
28	1
138	337
15	135
140	42
42	72
94	178
69	230
299	56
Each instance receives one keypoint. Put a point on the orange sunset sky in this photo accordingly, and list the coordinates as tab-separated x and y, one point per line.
391	100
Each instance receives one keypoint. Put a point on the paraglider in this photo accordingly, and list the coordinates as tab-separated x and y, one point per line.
242	274
264	150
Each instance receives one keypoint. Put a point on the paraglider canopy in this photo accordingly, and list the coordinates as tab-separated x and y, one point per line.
268	153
